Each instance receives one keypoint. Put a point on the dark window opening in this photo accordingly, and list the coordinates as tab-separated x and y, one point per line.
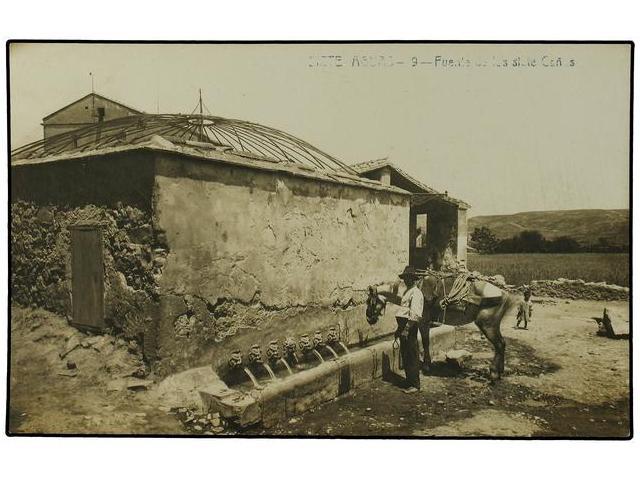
100	114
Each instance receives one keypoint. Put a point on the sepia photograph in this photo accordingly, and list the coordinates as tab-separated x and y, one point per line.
375	239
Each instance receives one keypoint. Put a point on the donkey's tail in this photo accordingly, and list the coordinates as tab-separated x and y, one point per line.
509	301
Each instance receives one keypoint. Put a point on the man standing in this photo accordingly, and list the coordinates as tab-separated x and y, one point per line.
407	317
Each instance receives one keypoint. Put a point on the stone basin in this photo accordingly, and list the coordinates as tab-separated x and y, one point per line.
294	394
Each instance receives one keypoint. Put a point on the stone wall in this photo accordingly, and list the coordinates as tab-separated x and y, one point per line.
256	255
112	191
41	263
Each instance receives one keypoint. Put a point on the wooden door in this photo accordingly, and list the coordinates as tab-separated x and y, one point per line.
87	276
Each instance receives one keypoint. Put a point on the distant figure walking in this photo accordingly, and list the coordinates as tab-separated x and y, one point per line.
525	309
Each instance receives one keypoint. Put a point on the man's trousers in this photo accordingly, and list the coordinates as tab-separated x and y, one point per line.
409	352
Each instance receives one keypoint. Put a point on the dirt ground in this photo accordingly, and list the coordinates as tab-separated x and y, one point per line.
48	397
561	380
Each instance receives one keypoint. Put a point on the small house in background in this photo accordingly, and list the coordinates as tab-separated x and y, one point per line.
88	110
437	222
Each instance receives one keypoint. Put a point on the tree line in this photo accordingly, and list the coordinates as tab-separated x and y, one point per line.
532	241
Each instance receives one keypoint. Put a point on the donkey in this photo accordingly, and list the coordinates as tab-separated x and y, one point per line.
486	313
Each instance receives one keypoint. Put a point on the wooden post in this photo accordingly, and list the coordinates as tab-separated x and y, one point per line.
461	240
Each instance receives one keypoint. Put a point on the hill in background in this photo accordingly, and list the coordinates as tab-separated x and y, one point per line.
586	226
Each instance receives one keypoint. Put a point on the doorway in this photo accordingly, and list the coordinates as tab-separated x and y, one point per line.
87	276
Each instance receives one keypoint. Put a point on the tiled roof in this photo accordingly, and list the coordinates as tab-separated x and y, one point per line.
371	165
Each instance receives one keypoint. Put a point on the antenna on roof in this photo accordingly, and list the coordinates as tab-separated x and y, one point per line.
201	116
92	89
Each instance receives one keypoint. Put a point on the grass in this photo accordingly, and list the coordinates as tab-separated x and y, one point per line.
520	268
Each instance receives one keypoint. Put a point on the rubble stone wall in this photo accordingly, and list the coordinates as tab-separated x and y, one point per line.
114	192
579	290
41	262
256	255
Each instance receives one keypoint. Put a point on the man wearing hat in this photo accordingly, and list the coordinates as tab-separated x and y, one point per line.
408	316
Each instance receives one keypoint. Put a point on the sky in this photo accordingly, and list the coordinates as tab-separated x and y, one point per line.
506	128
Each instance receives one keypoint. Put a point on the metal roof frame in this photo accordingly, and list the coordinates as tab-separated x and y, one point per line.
242	137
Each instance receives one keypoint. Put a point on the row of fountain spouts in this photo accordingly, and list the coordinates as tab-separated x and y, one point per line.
287	353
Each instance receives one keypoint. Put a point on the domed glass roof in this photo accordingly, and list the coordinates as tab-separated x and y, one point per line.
237	136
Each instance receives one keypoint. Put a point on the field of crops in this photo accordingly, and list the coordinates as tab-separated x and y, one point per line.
520	268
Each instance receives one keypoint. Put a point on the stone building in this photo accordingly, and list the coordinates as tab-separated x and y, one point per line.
213	234
441	219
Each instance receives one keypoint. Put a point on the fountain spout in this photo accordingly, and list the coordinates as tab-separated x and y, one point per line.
332	336
273	351
284	362
336	336
344	347
270	371
305	344
255	358
317	354
255	354
252	377
333	352
332	339
290	348
235	362
318	341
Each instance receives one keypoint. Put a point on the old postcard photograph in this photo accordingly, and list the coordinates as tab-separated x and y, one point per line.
356	239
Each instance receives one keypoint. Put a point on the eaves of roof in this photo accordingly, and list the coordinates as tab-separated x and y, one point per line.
159	144
372	165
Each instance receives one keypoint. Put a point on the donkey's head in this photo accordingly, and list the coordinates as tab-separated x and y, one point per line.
375	306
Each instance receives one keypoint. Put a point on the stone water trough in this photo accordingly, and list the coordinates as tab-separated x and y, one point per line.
296	390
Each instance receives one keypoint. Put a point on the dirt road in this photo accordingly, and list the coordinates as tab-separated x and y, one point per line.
561	380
